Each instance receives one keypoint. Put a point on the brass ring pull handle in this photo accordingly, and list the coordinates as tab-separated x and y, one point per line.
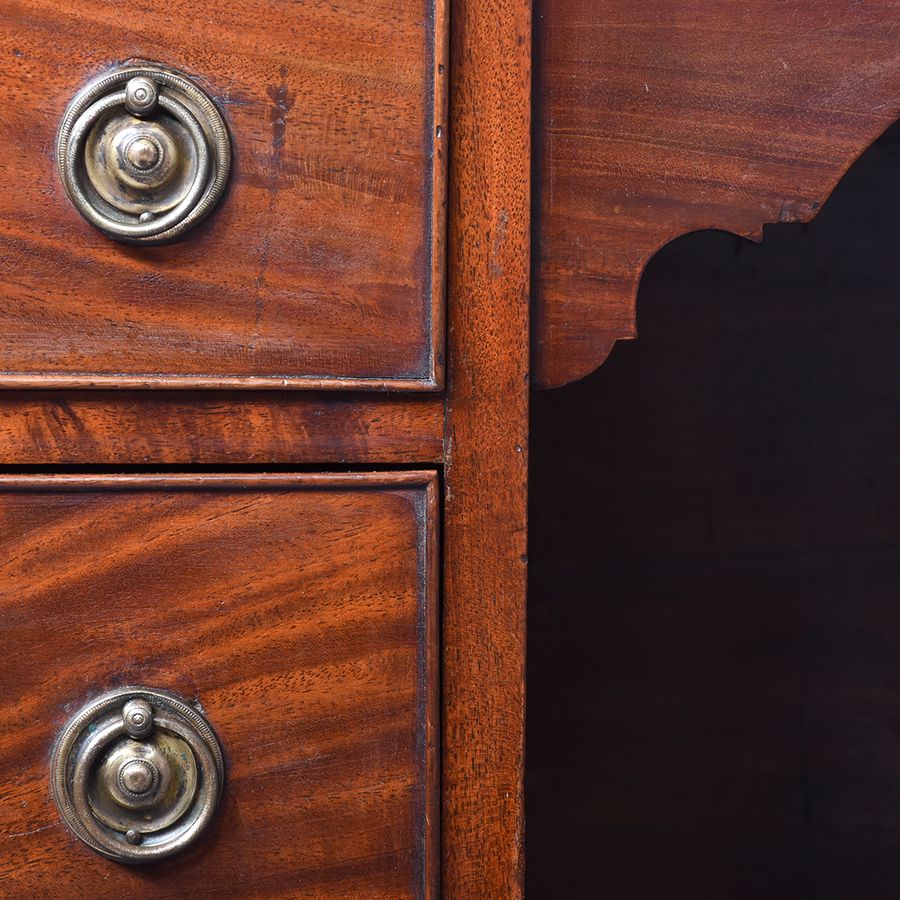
144	154
137	774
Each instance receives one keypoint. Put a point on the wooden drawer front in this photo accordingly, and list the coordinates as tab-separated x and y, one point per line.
299	610
321	265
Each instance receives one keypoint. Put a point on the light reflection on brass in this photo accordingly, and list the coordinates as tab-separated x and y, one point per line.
137	774
144	154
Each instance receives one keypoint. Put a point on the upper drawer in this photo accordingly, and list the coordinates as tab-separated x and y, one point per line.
321	266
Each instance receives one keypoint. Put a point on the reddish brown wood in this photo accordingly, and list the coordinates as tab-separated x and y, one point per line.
487	435
177	428
324	264
658	118
301	610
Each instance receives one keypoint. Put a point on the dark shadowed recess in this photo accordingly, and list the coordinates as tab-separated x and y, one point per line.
714	613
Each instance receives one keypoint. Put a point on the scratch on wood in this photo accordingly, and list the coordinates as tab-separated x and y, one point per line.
259	284
282	103
17	834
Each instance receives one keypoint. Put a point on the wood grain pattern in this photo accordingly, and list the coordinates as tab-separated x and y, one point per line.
323	264
487	450
658	118
300	610
115	428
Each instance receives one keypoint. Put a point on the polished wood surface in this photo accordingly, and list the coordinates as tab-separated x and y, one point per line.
658	118
487	451
300	610
324	262
115	428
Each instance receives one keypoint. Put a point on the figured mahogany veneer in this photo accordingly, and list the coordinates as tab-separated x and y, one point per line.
323	265
658	118
300	610
115	428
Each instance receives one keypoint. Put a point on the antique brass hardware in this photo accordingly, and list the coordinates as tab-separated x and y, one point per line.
144	153
137	774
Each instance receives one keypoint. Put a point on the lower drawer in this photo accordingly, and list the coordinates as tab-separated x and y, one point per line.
296	612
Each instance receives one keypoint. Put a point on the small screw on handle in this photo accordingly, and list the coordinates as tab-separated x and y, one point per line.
141	96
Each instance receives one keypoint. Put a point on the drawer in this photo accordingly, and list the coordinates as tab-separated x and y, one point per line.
297	612
322	263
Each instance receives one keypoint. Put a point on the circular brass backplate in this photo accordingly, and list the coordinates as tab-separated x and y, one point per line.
137	774
144	153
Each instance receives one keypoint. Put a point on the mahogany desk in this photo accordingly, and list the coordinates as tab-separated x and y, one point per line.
277	279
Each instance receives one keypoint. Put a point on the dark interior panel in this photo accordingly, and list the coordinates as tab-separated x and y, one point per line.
714	613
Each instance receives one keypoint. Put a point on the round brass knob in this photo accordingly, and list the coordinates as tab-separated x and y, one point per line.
144	153
137	774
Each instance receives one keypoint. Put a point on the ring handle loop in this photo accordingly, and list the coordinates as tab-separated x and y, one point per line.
89	210
171	181
137	789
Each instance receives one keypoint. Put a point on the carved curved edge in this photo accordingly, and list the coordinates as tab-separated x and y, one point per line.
658	119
